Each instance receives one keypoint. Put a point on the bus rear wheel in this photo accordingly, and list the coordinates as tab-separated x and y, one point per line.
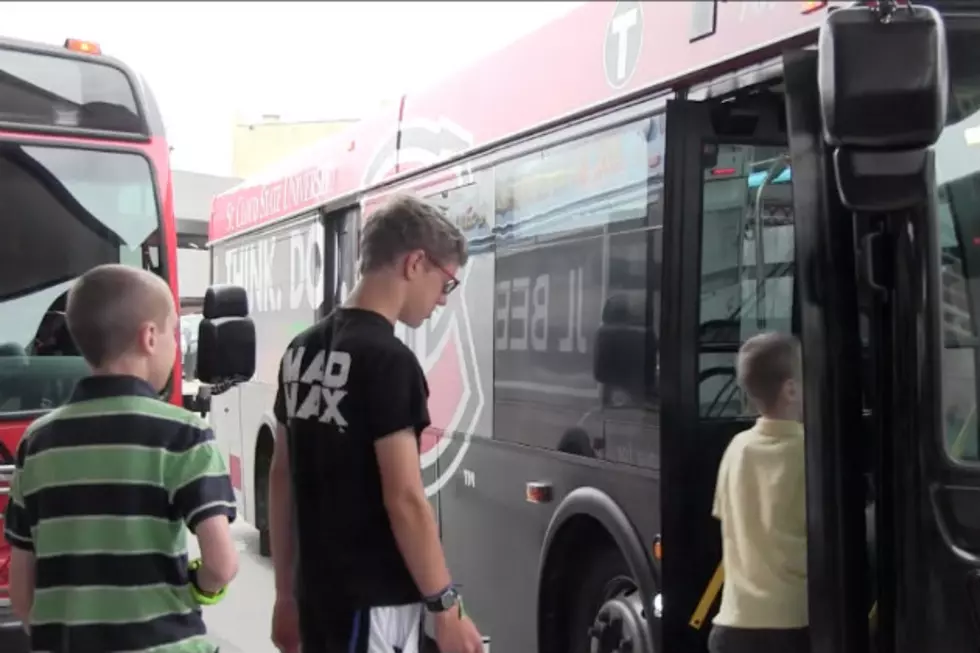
607	613
263	462
262	512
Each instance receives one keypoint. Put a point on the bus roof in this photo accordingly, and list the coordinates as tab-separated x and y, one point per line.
594	54
67	91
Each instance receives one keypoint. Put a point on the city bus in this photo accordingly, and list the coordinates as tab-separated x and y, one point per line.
84	180
644	185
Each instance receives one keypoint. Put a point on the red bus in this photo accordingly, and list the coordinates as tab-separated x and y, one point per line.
84	180
644	186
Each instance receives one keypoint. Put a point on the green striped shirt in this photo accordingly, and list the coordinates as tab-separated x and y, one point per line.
104	491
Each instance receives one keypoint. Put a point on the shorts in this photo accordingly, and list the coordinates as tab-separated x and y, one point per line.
727	639
390	629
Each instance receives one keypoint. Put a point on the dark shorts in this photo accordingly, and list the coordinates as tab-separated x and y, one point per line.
393	629
725	639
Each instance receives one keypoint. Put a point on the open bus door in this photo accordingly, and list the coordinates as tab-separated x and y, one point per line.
728	229
868	255
894	531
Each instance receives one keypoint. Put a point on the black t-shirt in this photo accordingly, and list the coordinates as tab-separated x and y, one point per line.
344	383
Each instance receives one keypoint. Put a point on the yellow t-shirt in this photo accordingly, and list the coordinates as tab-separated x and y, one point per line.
760	500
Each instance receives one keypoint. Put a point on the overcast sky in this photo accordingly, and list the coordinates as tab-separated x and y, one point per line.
210	61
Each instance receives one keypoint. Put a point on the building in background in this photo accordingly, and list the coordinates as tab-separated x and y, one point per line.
257	144
193	193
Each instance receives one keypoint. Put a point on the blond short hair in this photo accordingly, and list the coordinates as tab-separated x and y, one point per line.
107	306
765	363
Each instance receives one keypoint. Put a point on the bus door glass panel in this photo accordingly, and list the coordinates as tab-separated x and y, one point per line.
747	259
746	287
339	250
958	208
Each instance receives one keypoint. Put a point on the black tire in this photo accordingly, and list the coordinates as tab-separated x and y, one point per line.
265	546
262	506
606	572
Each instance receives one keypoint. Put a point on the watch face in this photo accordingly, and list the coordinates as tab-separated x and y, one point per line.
443	602
448	599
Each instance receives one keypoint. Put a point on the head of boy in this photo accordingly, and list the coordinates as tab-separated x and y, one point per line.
769	368
410	248
123	321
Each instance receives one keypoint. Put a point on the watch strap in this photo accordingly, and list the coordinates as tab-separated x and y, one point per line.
442	601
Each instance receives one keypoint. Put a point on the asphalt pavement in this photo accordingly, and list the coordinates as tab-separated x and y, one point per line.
241	622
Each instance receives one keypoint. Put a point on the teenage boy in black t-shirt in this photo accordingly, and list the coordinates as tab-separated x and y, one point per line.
346	492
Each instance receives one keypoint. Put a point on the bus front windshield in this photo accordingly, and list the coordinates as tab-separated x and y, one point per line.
62	211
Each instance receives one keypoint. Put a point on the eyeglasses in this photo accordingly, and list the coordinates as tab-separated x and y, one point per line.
452	283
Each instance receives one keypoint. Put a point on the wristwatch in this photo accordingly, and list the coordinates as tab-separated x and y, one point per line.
442	601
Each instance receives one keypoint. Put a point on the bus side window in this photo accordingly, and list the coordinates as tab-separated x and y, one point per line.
577	302
747	265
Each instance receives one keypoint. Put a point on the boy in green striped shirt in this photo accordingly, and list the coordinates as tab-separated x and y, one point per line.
106	486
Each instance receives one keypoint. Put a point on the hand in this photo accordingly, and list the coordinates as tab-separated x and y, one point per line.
285	624
455	634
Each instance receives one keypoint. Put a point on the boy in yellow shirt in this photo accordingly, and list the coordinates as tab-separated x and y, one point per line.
760	500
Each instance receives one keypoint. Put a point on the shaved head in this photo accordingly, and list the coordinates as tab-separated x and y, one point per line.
108	307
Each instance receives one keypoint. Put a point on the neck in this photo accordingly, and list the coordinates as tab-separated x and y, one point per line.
783	414
123	367
378	295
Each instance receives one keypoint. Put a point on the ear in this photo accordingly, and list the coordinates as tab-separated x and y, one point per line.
413	264
791	389
148	336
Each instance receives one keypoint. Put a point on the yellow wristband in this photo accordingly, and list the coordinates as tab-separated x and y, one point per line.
205	598
200	596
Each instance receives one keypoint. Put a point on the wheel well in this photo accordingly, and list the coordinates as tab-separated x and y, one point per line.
264	445
580	539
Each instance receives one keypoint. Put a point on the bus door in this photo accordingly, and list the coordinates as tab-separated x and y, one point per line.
834	358
729	271
887	228
341	229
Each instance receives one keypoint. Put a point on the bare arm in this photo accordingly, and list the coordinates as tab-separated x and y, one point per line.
19	526
281	514
203	496
409	512
219	557
22	583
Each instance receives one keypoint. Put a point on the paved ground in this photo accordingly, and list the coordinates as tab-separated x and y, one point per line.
240	623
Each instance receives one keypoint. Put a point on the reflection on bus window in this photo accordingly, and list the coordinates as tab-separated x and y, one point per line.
577	273
63	211
958	176
747	255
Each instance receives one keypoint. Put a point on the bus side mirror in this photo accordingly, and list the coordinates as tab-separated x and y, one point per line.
884	90
226	337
